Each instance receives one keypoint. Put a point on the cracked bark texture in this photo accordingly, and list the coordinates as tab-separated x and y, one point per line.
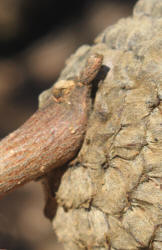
110	197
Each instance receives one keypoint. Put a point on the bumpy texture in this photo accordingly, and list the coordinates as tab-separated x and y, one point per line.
111	198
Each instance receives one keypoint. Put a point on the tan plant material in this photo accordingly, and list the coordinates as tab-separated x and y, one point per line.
111	197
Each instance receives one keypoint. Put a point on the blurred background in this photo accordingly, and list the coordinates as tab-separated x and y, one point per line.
36	37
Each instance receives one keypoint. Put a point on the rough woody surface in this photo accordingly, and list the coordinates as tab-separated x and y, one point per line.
110	197
53	135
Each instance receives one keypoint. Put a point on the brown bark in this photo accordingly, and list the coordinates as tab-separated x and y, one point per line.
52	136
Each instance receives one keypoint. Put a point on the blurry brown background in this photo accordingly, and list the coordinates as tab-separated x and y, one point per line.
36	37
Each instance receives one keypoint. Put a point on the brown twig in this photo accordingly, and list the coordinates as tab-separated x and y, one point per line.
52	135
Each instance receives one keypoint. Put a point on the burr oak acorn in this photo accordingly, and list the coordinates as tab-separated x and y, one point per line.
52	135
